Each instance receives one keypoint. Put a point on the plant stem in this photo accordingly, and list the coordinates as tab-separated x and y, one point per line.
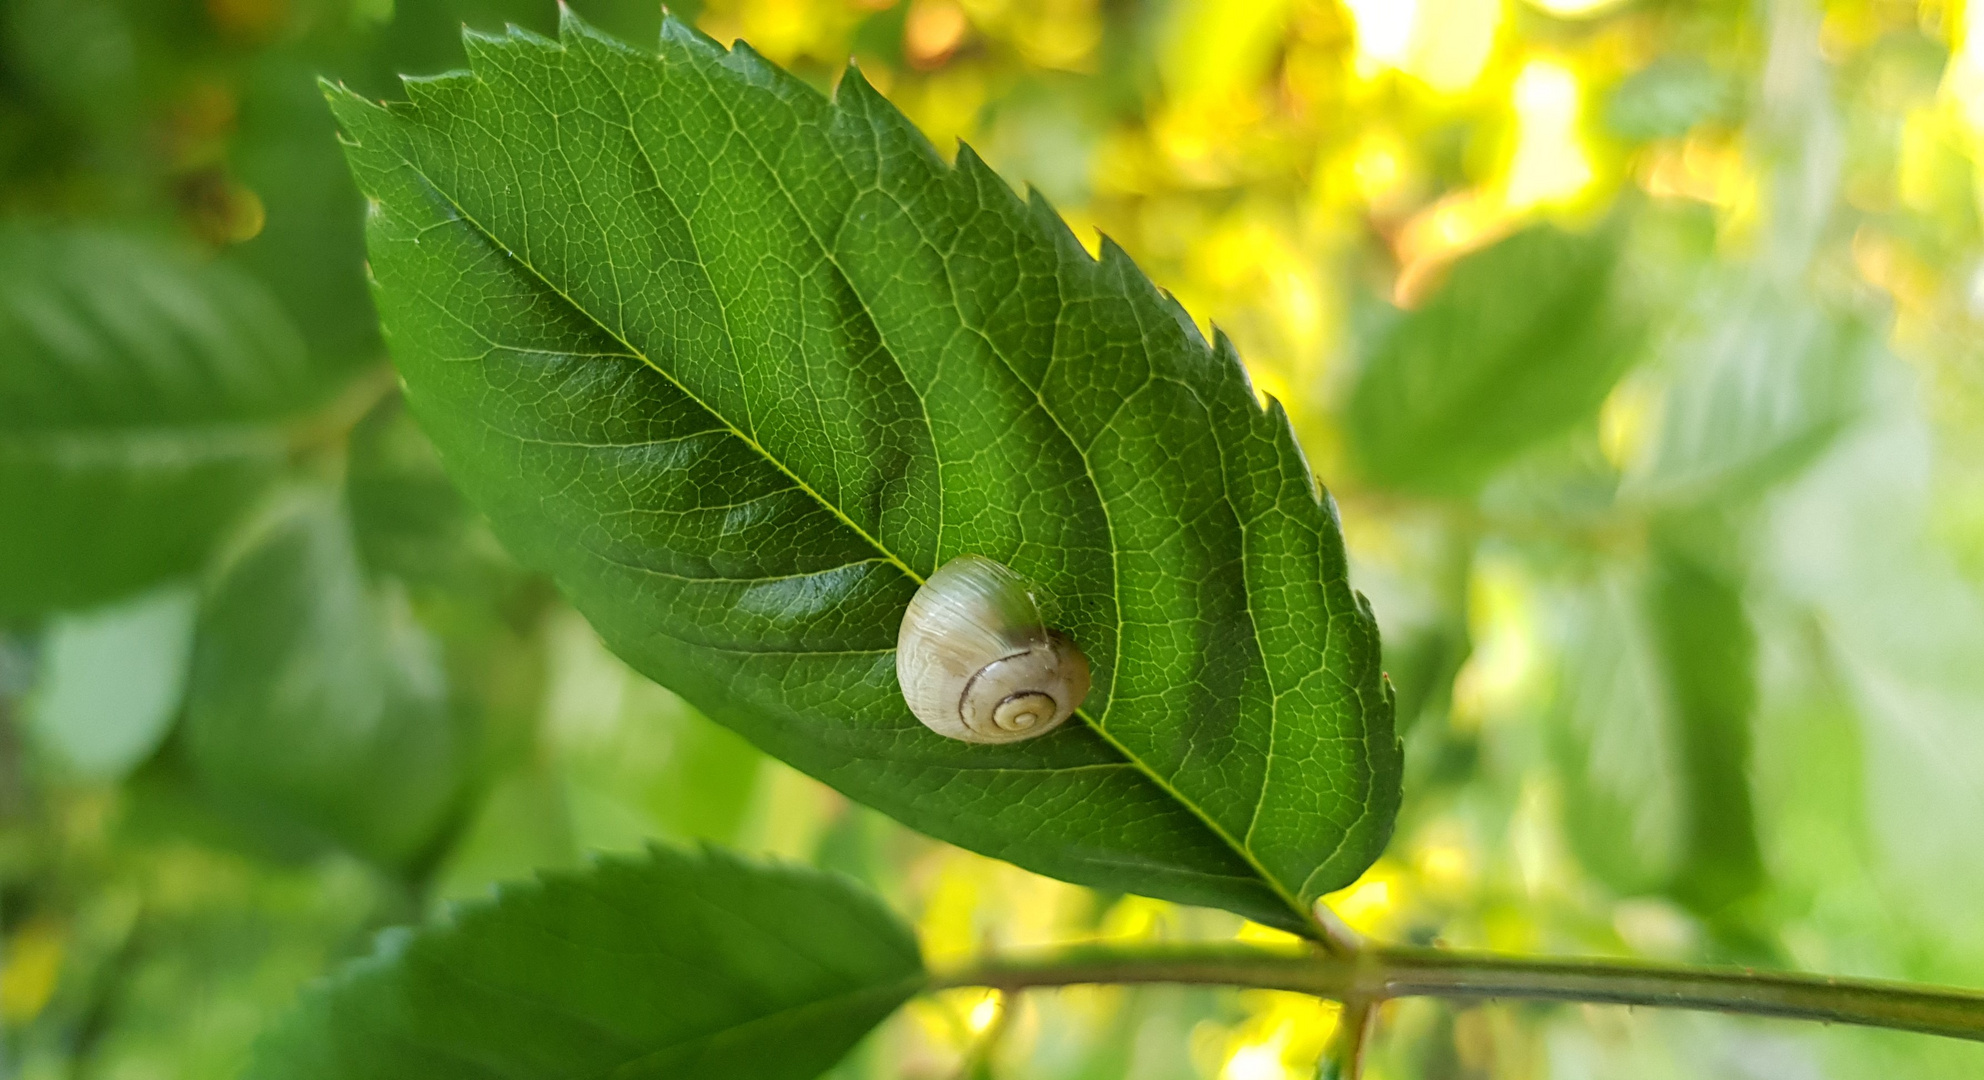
331	424
1344	1058
1380	972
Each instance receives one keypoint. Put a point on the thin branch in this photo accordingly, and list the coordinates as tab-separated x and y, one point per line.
1378	973
333	421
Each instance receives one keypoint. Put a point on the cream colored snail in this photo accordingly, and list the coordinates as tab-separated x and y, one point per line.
976	661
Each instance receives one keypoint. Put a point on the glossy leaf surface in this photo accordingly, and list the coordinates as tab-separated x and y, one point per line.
674	965
743	365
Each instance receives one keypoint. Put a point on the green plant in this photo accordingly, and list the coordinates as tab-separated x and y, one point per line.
740	366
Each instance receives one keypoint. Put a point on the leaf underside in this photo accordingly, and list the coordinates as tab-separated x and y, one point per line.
742	365
674	965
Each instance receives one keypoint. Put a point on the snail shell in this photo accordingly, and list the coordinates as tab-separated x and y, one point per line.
976	661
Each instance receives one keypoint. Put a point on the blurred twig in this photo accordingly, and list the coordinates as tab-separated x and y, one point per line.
331	424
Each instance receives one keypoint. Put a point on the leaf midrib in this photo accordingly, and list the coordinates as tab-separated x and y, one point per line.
1263	875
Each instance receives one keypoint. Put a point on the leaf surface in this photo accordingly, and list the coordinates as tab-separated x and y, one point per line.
674	965
742	365
138	397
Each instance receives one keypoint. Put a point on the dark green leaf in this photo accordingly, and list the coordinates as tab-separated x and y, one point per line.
1522	341
675	965
1708	653
315	700
742	365
138	391
409	519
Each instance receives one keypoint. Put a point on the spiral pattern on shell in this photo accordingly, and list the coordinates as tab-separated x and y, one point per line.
976	662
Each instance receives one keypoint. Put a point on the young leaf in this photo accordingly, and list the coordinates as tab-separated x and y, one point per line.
137	394
1522	341
742	365
316	701
684	965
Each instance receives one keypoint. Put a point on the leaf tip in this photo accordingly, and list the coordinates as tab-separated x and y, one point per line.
674	31
855	86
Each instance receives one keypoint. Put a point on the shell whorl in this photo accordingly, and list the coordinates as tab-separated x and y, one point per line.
976	661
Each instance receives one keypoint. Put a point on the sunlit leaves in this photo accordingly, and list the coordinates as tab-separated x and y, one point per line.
672	965
742	365
1522	341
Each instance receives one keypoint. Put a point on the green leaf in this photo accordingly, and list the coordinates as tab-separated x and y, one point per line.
138	396
675	965
1652	729
1763	384
1669	96
1709	653
1614	745
112	679
1523	340
316	701
742	365
409	519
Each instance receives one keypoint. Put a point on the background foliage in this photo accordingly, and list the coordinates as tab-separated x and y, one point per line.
1635	339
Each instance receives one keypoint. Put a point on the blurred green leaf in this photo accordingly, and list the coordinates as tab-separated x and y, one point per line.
316	700
1652	729
673	965
523	822
1708	654
637	761
1670	96
409	520
139	397
743	402
1760	386
310	250
1902	630
112	679
174	965
1522	341
1618	755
